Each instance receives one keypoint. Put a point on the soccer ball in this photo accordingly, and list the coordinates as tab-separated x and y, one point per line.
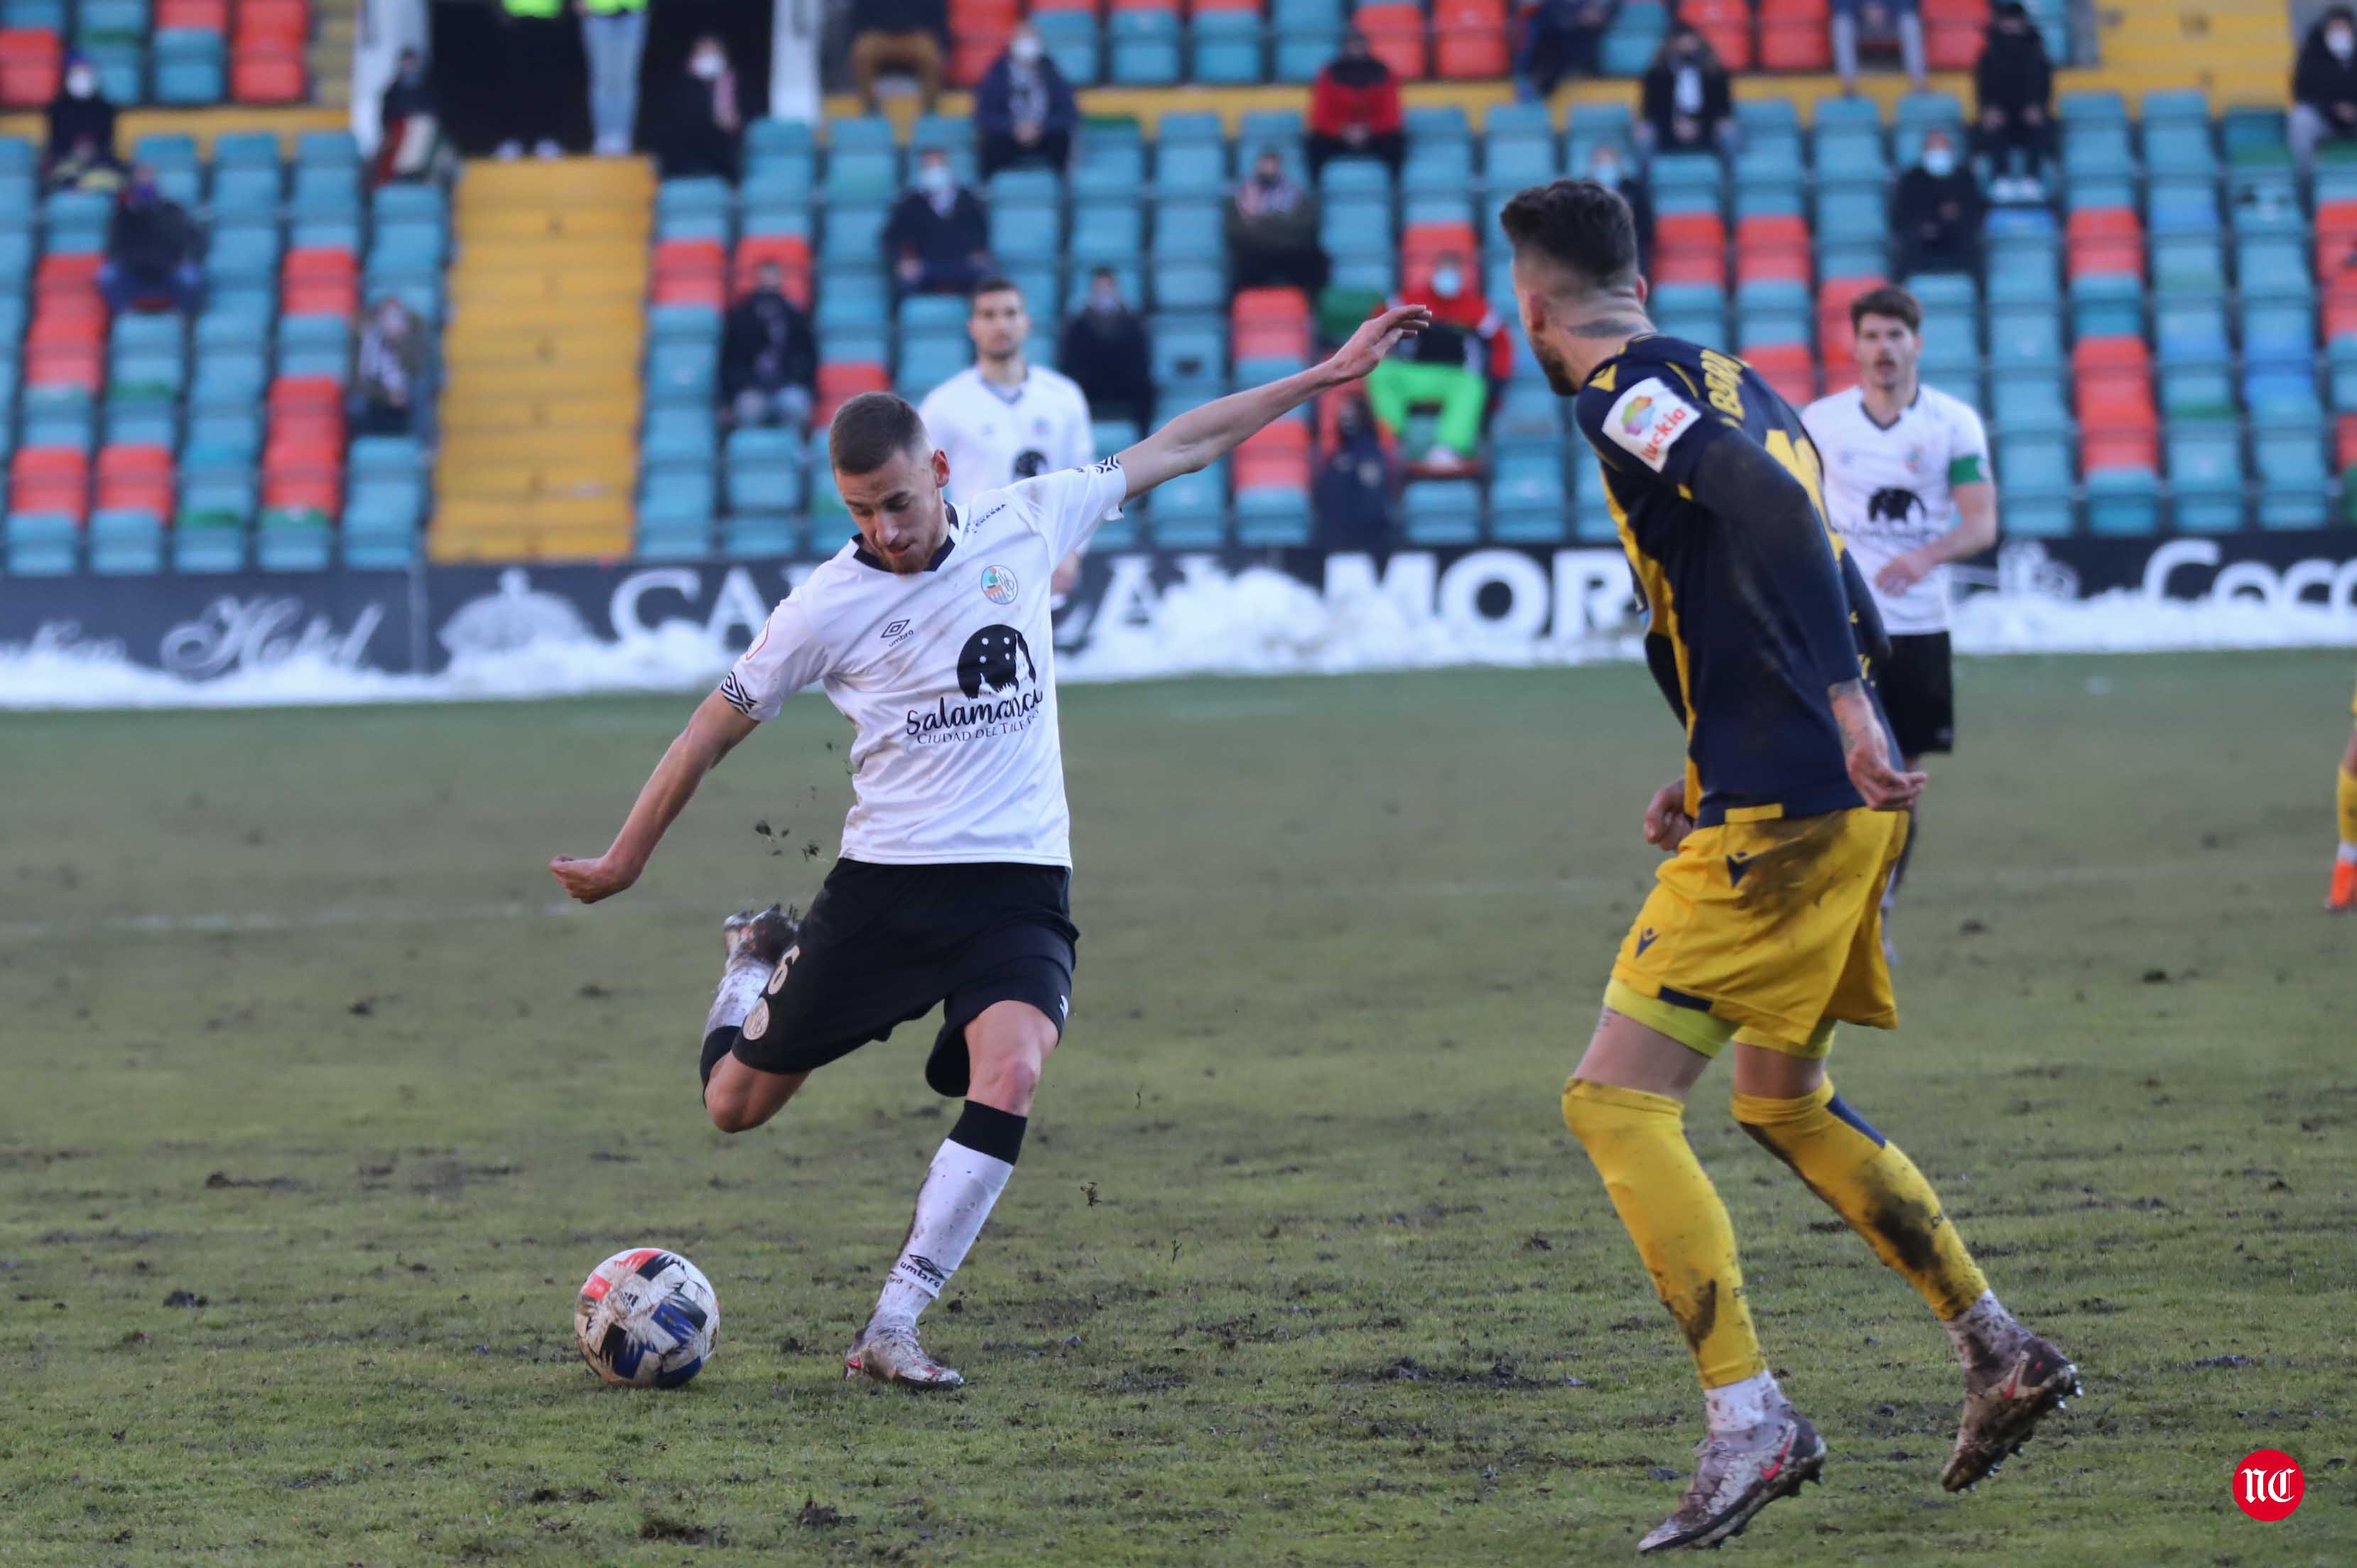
646	1318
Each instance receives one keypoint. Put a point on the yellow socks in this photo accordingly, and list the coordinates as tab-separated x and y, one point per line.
1674	1214
1868	1182
2348	800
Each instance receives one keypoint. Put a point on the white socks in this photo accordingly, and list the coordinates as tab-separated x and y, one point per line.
1740	1407
2347	853
740	986
1984	1334
968	1172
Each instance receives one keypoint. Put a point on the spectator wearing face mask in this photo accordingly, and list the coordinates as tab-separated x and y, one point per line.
1452	364
80	155
1024	108
697	127
1354	109
2016	84
1606	167
388	374
1272	231
2324	85
1352	496
1876	20
768	356
937	239
1936	212
1689	106
151	251
1558	42
1106	352
411	125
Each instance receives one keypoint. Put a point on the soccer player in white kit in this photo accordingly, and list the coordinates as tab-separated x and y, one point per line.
1909	486
1003	418
929	630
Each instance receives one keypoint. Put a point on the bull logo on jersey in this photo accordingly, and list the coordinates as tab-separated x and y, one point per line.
996	659
1001	684
1894	506
1030	463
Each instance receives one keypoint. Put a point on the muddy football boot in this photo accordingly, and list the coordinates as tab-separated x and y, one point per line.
1737	1475
893	1356
2002	1410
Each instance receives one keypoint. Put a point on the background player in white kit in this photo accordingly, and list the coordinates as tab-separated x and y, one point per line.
1004	418
1908	485
930	632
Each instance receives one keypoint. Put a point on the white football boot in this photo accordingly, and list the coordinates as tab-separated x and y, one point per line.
1737	1475
891	1355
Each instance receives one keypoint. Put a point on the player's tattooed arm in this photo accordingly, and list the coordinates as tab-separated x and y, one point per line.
1867	752
712	733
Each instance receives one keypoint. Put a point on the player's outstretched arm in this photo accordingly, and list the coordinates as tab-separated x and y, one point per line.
711	734
1785	563
1201	436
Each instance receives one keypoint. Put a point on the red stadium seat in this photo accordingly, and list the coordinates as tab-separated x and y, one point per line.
846	379
2113	371
197	15
1727	25
689	271
30	62
295	394
273	21
2344	441
80	365
1395	36
1955	32
51	479
1288	305
1422	241
1795	35
1690	247
58	325
1773	246
1469	39
268	73
978	32
135	479
1277	457
304	490
790	252
2105	239
1790	368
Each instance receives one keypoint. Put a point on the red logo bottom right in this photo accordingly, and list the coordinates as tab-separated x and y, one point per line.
2268	1484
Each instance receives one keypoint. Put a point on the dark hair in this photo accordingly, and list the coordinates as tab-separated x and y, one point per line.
1581	226
871	430
996	283
1889	300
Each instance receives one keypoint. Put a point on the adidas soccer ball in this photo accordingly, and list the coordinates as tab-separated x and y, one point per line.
647	1319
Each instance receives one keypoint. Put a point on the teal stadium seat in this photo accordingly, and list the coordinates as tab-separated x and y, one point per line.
1442	511
125	542
1272	518
1143	47
1225	47
1073	41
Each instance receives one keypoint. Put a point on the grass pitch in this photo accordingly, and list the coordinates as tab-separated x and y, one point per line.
315	1114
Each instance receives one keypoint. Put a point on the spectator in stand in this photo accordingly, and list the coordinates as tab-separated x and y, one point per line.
937	239
1272	231
2324	85
151	251
1605	168
1689	106
1105	350
1453	364
768	356
613	35
410	137
1559	41
534	51
1936	212
1354	109
1025	110
1352	496
81	151
696	127
900	35
2016	82
389	375
1877	20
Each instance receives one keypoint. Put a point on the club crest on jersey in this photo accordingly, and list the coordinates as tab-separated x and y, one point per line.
1648	419
998	585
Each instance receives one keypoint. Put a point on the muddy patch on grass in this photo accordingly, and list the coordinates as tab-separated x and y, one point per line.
1499	1374
681	1533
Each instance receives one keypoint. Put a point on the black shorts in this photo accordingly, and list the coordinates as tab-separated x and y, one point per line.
1918	692
885	944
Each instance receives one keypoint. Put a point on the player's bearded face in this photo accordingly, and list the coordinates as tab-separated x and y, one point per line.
898	509
1887	352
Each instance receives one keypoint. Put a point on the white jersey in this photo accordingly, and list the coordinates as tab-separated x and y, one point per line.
1892	489
948	674
995	435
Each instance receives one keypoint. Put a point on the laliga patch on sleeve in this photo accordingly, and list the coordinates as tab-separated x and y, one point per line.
1648	419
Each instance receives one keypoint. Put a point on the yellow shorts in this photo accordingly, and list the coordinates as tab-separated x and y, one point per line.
1767	932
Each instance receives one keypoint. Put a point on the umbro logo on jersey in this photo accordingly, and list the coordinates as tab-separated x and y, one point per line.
898	629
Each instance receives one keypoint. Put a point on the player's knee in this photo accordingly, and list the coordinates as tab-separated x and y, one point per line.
731	1113
1011	1077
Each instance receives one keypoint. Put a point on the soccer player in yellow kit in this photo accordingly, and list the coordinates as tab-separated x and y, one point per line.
2344	897
1764	925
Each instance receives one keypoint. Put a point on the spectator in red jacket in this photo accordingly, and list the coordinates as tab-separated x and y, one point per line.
1354	109
1453	364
